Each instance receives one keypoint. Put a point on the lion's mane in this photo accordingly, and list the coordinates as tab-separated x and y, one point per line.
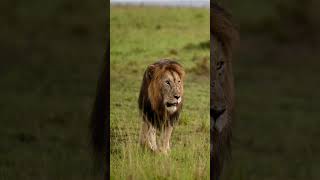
224	32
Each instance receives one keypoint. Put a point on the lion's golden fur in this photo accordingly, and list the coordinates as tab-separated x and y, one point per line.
155	85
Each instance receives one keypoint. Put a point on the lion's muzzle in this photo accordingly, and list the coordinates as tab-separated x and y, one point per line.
172	106
219	117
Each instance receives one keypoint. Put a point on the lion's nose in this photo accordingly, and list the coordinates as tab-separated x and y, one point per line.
216	113
176	96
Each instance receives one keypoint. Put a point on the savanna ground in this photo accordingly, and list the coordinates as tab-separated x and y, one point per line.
140	36
276	67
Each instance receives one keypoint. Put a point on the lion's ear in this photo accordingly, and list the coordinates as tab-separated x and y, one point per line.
183	75
150	71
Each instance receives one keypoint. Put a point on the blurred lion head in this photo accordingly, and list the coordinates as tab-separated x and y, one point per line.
223	37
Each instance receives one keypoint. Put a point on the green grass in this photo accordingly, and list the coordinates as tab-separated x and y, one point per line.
139	37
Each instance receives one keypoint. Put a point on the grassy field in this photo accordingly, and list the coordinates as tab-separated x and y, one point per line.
139	37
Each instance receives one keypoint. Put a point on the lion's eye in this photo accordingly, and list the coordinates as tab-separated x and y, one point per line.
179	81
168	82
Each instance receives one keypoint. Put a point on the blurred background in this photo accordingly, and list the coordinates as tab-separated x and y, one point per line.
177	3
51	53
276	68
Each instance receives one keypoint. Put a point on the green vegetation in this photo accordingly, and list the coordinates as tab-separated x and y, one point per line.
139	37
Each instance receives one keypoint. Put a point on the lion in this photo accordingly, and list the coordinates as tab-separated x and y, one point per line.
222	99
160	103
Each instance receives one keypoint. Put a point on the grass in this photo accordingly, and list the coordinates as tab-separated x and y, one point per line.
139	37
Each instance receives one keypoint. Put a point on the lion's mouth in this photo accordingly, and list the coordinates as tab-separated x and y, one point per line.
171	107
171	104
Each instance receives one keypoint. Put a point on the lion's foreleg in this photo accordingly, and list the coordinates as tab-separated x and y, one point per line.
166	138
153	140
148	136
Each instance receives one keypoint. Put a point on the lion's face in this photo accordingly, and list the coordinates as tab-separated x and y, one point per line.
171	90
164	83
221	105
221	88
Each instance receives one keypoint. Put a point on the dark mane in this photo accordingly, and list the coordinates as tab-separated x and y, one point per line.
222	28
224	36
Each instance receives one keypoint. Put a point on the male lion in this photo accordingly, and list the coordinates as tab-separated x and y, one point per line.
160	102
223	36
